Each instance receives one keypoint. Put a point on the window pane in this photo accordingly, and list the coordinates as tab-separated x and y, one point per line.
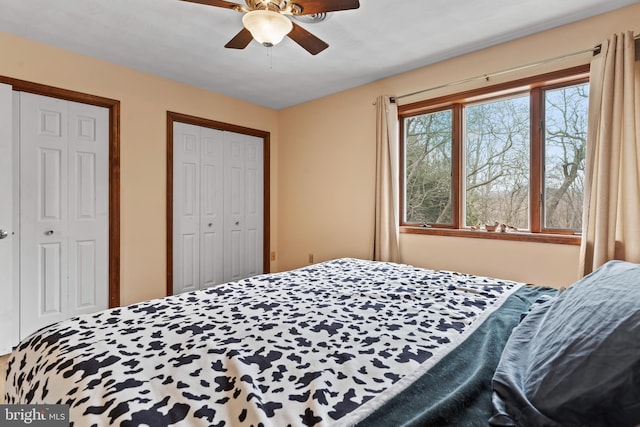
565	144
428	141
497	162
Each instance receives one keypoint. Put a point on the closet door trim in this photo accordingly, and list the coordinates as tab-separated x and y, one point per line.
114	165
202	122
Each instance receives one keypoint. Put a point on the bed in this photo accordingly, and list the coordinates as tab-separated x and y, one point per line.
340	343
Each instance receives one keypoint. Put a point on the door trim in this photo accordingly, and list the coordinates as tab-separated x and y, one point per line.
207	123
114	166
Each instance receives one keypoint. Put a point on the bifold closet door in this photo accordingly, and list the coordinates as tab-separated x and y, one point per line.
198	260
64	225
243	205
217	206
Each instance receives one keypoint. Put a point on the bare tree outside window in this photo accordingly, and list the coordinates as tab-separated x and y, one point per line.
565	148
512	154
497	162
428	141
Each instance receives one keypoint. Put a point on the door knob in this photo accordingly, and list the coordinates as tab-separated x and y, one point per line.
237	222
48	232
3	234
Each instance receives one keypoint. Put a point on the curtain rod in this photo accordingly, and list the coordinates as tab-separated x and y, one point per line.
594	50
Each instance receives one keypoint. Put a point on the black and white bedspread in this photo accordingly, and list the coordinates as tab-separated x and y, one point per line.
321	345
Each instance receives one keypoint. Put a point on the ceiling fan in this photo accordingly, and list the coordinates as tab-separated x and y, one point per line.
266	21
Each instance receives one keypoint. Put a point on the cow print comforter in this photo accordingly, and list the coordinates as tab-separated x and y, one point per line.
317	346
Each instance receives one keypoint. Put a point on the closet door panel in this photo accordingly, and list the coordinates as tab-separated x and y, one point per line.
234	206
254	210
212	212
64	209
88	208
186	208
44	233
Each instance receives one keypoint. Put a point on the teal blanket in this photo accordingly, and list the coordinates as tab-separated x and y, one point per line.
457	391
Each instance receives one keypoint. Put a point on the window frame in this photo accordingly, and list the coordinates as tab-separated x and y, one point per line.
535	87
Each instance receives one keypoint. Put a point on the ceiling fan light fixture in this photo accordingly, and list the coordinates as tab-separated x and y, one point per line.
267	27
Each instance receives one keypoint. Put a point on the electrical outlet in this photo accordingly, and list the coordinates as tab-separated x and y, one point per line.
310	258
273	256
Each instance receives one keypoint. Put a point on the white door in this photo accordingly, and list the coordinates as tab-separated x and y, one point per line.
7	339
254	205
243	205
88	216
234	207
63	210
186	207
217	206
211	208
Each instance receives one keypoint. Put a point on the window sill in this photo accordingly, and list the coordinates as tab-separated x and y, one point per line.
560	239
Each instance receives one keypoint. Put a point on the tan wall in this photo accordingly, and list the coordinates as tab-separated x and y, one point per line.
327	152
322	158
144	99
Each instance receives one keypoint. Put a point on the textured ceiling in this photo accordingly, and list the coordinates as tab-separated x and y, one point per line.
184	41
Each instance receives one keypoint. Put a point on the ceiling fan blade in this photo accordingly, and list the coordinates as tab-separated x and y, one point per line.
217	3
308	41
310	7
241	40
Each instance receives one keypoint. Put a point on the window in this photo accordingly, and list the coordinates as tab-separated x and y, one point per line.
512	154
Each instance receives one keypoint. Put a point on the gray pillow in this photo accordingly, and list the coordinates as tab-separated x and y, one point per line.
575	360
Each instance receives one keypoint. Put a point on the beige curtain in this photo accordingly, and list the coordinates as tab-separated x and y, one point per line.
611	216
386	227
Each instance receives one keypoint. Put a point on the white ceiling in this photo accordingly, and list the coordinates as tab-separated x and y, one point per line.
184	41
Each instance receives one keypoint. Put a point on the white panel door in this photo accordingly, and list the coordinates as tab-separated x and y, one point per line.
7	314
217	206
63	210
211	208
186	207
44	151
88	214
234	206
243	205
254	208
